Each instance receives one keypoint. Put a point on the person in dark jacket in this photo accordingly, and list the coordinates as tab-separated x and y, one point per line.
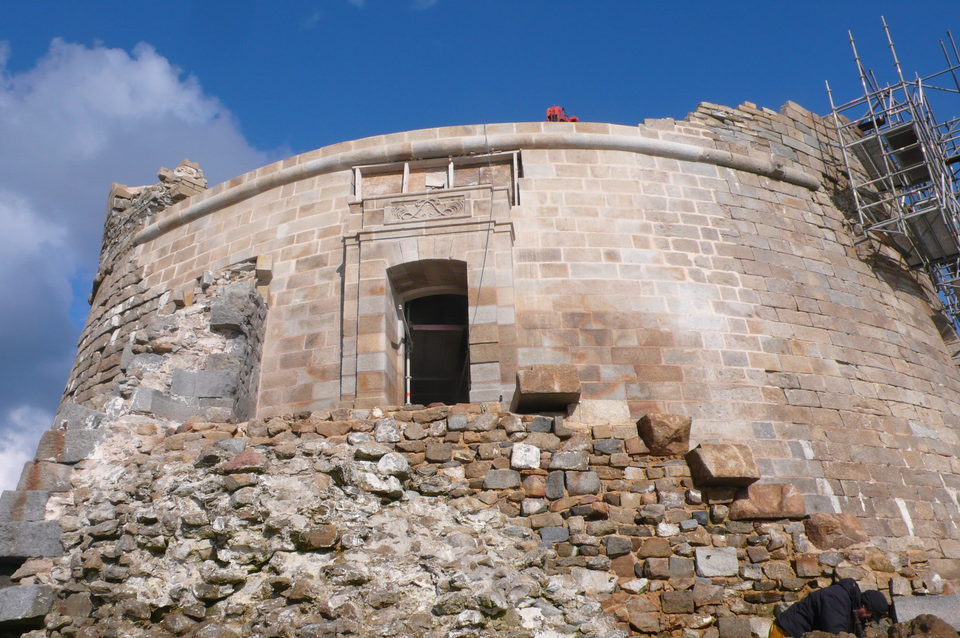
841	607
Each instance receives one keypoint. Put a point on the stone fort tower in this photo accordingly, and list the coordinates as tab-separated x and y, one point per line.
705	268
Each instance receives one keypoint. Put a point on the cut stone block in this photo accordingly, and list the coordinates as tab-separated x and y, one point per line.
722	464
554	486
28	505
665	434
834	531
590	412
501	480
579	483
573	460
42	475
233	309
74	417
525	457
946	608
24	605
68	446
716	561
546	388
30	539
155	402
769	501
592	582
204	383
734	628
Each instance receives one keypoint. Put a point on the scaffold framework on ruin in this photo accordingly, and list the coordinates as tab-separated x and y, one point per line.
904	166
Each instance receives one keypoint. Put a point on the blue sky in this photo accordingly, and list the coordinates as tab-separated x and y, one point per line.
97	92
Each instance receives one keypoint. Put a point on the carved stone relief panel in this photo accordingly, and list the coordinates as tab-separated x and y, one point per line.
423	208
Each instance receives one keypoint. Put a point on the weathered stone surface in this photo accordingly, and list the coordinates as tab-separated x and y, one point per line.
319	537
540	424
152	401
734	628
524	457
28	505
551	535
926	616
574	460
582	483
247	461
546	388
24	604
769	501
834	531
654	547
677	602
590	412
231	311
554	488
722	464
501	479
31	538
46	476
204	383
68	446
617	546
716	561
386	431
593	582
665	434
72	416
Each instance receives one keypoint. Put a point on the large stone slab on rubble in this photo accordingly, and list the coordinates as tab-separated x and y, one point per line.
68	446
73	416
722	464
27	505
768	501
204	383
589	412
43	475
546	388
23	605
665	434
834	531
29	539
157	403
946	608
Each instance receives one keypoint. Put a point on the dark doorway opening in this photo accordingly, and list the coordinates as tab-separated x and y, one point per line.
439	355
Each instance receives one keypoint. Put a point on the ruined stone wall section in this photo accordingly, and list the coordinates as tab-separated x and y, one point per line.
121	307
298	227
386	519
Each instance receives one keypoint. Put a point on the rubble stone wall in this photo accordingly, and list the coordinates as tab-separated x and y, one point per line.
426	520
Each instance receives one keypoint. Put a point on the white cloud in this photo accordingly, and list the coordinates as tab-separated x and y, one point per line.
423	4
79	119
358	3
20	429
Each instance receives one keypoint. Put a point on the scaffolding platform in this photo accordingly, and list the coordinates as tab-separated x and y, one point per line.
904	167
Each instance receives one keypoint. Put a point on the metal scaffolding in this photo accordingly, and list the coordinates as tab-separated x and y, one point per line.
904	167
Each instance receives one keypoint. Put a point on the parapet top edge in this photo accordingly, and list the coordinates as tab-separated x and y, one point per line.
476	144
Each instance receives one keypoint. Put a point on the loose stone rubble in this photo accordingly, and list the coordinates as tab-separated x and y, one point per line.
446	520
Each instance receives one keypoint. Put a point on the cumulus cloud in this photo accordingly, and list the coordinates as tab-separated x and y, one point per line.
17	440
80	118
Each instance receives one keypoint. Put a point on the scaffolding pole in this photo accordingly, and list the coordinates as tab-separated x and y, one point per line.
904	167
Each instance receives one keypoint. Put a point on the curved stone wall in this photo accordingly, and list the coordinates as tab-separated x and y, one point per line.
699	267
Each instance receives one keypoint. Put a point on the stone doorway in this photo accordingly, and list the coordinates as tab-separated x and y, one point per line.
437	349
